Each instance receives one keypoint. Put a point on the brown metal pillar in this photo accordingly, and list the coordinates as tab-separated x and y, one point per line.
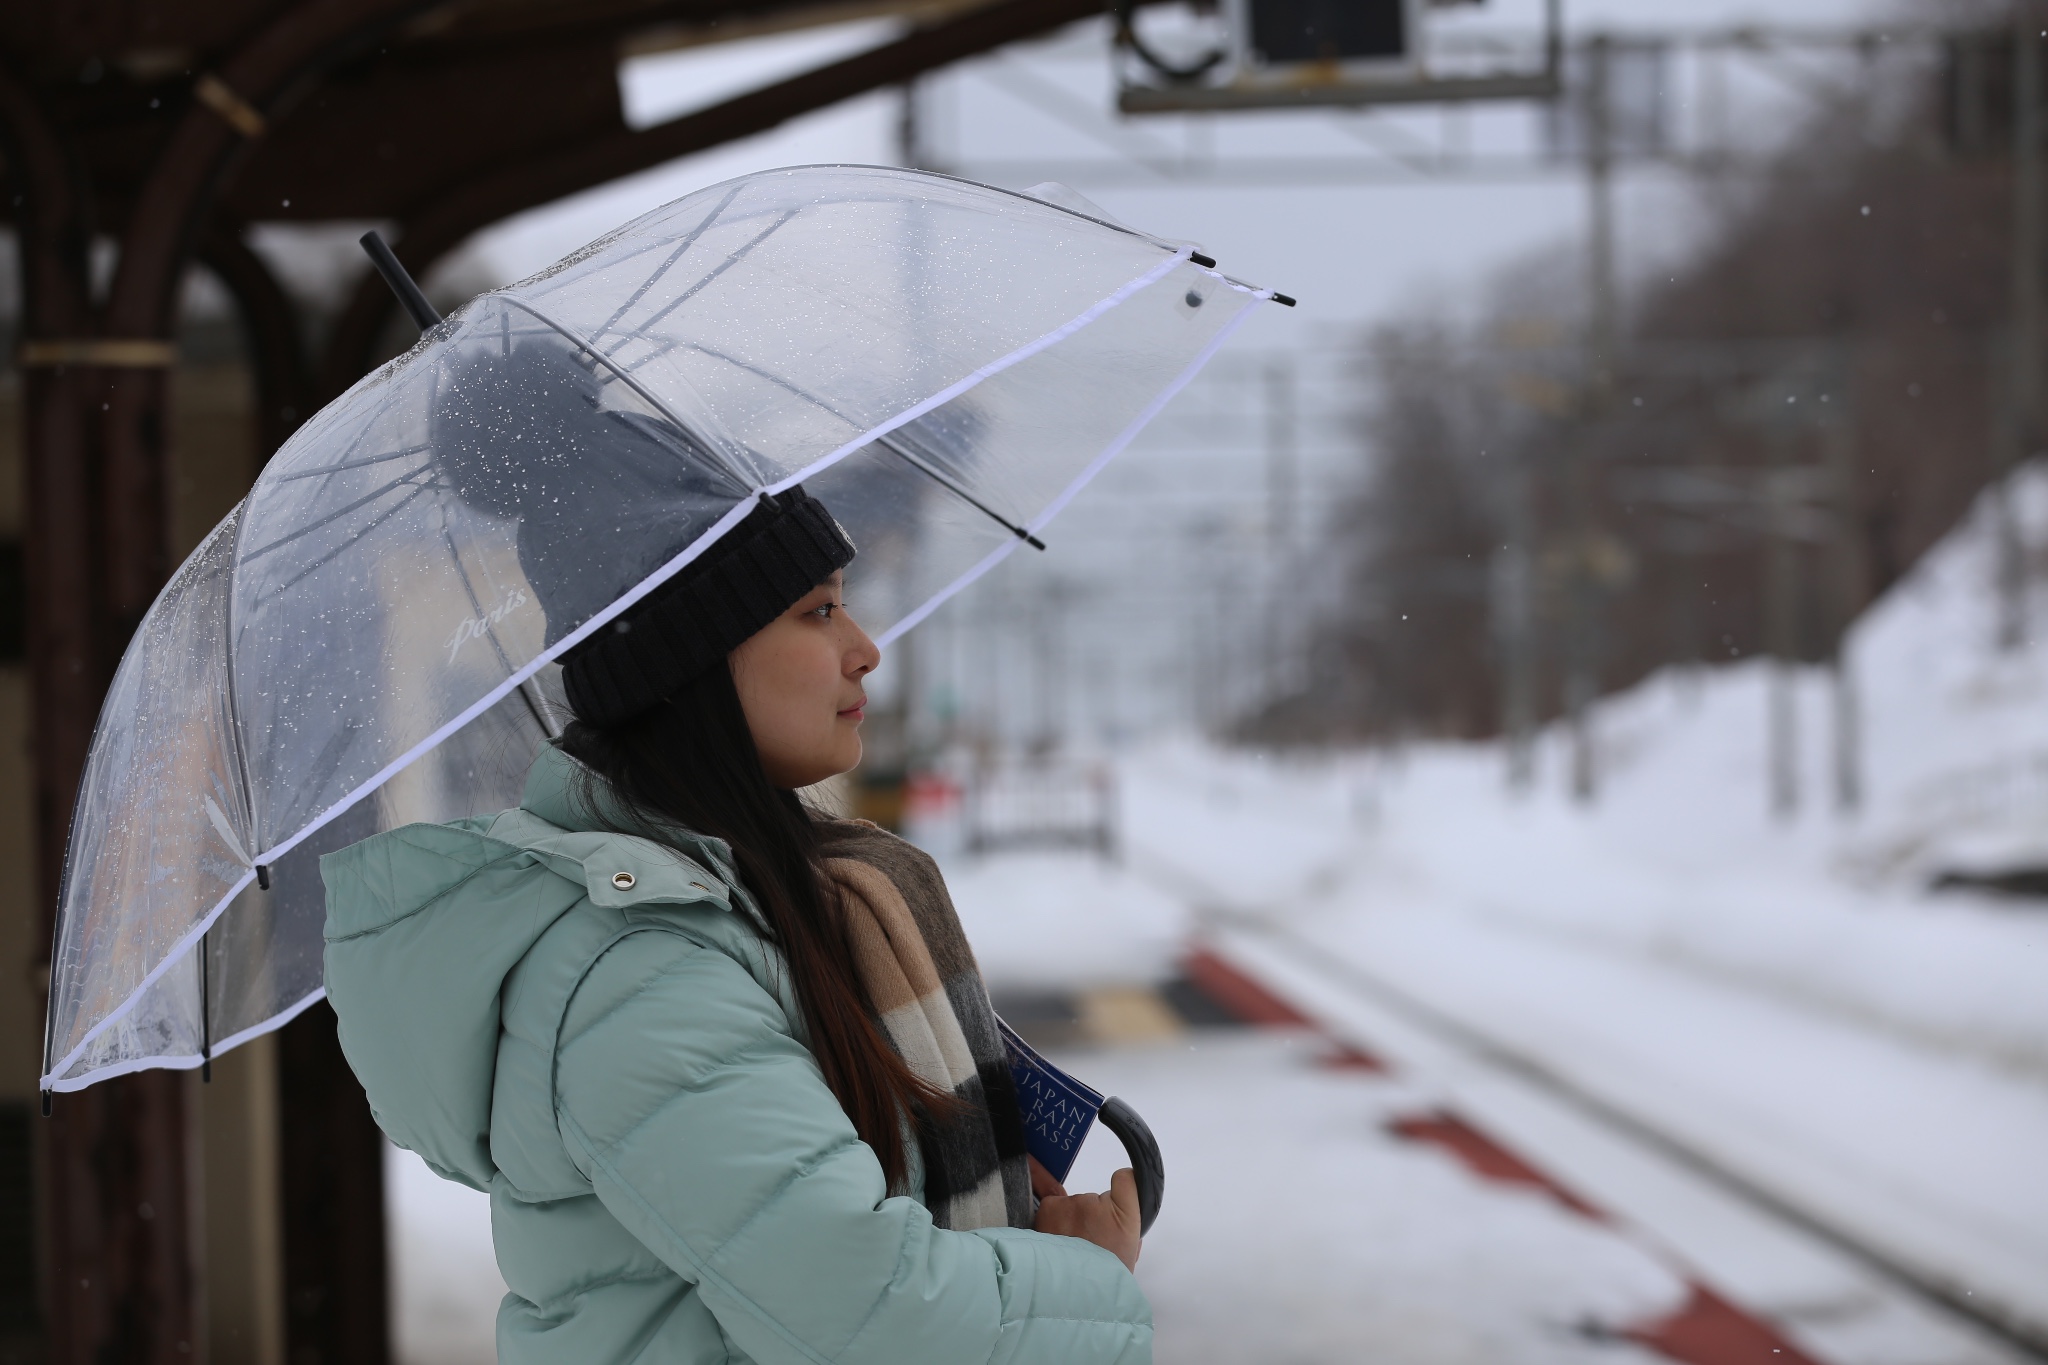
120	1280
54	237
125	1282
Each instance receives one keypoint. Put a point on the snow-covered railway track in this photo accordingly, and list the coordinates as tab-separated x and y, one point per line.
1846	1295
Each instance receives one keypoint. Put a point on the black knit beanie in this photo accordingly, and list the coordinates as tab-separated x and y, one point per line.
756	571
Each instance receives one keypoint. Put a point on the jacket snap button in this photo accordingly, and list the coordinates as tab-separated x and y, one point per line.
623	880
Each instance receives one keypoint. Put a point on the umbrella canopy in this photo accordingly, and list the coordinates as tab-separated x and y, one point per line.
369	638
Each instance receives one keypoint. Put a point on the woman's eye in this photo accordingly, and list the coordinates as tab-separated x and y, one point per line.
825	610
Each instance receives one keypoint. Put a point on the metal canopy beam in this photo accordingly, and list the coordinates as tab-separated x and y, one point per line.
436	227
1348	95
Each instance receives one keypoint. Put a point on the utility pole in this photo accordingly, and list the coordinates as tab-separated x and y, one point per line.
1514	616
1781	608
2022	404
1784	488
1282	476
1688	547
1838	433
1582	664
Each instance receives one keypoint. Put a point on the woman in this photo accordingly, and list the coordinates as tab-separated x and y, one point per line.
726	1069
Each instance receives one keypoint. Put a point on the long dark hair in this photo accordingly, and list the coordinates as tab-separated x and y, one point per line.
691	763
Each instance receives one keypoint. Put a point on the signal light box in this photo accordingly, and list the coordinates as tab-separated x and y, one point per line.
1326	33
1280	54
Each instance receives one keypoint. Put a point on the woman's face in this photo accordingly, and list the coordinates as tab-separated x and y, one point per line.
799	680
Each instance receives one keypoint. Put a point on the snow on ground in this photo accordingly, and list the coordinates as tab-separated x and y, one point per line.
1297	1231
445	1285
1036	921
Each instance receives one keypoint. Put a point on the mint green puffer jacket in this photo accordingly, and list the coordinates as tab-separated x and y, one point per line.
618	1061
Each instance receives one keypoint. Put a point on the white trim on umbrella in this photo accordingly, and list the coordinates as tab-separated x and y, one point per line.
191	1061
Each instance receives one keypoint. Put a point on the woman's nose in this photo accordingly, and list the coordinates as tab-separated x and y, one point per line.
864	657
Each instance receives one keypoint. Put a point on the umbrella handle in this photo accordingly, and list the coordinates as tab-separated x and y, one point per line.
1143	1150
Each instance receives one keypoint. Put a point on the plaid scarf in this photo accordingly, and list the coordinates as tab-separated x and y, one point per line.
913	958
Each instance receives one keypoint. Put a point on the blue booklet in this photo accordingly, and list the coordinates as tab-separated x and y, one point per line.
1058	1110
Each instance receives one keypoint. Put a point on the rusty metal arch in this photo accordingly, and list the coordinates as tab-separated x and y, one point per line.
430	231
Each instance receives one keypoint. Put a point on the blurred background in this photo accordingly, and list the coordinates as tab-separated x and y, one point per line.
1531	774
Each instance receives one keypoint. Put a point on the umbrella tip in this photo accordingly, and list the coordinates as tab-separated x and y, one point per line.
46	1104
401	282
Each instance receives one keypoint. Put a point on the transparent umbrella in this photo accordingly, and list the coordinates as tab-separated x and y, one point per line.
369	638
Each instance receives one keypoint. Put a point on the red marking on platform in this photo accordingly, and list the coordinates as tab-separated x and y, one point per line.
1238	993
1486	1158
1709	1330
1345	1057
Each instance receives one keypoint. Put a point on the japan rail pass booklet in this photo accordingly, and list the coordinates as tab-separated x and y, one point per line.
1058	1110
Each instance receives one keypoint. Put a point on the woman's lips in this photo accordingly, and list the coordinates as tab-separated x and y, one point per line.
857	711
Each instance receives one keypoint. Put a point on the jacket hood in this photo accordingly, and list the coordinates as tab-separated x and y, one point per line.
425	922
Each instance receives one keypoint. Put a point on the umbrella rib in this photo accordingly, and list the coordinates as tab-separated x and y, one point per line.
751	368
1080	481
938	476
236	740
689	240
994	367
354	464
946	481
649	357
324	560
628	254
340	512
743	477
703	284
362	438
205	1012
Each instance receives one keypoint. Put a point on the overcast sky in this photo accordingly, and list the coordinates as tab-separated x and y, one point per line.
1353	254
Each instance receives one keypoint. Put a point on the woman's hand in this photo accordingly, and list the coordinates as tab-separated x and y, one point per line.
1108	1220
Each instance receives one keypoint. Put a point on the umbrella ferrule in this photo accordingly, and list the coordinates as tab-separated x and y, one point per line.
410	295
